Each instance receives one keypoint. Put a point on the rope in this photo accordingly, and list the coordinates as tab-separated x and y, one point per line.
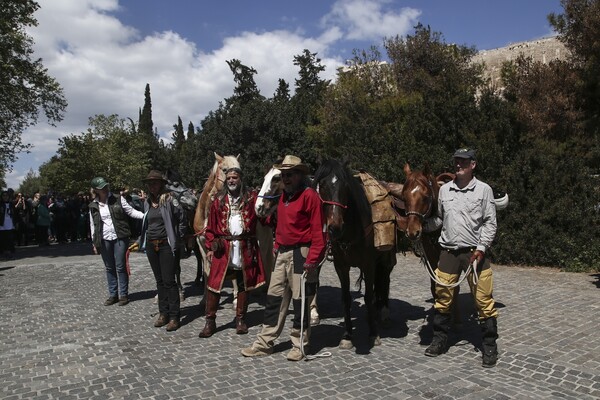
472	268
303	302
276	196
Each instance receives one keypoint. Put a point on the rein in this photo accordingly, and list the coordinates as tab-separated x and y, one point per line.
333	203
418	245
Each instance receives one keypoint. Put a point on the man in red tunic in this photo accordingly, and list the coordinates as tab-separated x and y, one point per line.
300	246
231	238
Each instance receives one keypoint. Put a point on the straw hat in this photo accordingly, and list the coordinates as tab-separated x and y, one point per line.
293	163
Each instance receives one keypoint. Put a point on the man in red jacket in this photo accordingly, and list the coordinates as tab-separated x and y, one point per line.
300	246
231	238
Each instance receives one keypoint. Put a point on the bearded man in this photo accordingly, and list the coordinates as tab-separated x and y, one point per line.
231	238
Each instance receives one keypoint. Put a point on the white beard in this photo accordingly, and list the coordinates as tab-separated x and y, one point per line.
233	188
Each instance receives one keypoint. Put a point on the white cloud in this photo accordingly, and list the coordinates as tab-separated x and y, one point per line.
368	19
103	67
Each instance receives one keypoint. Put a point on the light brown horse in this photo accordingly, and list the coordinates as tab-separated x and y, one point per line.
214	183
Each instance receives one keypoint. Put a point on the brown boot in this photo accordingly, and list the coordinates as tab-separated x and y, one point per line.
173	325
212	302
242	307
161	320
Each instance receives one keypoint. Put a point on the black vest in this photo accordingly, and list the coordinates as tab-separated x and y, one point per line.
119	217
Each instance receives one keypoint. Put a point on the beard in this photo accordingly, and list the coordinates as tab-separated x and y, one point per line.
233	187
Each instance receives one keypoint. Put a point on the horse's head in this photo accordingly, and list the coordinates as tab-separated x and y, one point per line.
220	167
269	194
419	194
336	187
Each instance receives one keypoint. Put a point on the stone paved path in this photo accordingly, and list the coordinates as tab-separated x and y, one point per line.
58	340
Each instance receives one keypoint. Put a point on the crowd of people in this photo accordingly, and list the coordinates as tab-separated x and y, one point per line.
45	218
466	215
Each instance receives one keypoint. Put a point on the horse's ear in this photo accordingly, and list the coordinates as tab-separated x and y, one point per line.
238	156
218	157
406	169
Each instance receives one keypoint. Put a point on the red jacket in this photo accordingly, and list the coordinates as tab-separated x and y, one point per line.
300	220
217	232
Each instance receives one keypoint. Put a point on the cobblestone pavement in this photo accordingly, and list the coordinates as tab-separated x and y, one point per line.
58	340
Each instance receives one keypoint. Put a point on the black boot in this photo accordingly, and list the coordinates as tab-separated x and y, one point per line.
212	302
489	330
441	326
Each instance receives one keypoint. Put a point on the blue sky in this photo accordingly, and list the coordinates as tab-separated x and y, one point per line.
103	52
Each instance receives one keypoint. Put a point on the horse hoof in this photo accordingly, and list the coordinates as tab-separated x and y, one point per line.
346	344
376	341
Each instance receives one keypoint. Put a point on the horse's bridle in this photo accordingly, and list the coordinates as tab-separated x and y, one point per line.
422	216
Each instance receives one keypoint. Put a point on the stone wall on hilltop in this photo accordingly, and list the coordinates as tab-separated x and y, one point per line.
542	50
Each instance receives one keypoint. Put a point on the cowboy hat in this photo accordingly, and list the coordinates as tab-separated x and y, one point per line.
154	175
292	163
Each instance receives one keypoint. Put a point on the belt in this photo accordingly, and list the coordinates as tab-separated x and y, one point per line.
234	237
282	248
157	243
459	251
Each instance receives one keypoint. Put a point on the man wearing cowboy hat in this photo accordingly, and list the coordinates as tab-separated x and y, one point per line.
466	207
300	246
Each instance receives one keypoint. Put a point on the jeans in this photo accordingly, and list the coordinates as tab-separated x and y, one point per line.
113	255
162	263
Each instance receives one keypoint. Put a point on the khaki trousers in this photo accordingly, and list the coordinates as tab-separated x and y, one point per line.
449	270
284	287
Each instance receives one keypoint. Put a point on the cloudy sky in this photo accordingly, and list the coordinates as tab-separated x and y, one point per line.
103	52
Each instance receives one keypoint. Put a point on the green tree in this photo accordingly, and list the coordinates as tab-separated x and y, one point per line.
107	149
442	83
579	29
26	88
309	91
31	184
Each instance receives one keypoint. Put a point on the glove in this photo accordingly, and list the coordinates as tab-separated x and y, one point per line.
218	246
478	256
310	268
134	247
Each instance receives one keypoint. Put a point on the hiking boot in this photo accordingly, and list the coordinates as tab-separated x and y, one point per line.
111	300
489	329
161	321
123	301
253	352
441	326
436	348
295	354
489	359
173	325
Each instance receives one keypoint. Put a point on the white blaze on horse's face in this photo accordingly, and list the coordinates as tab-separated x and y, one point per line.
334	180
270	187
416	189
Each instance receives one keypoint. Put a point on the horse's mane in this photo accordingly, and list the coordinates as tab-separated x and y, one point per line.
357	193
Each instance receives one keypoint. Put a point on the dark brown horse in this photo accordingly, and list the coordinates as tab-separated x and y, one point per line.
350	229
